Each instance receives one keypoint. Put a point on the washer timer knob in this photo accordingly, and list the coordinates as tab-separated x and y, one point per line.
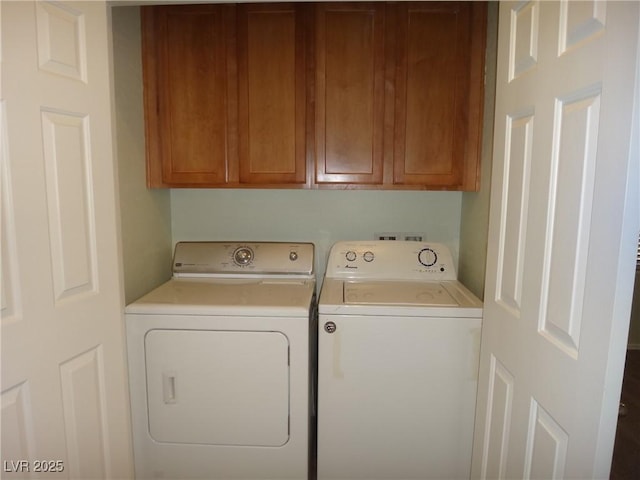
368	256
350	256
243	256
427	257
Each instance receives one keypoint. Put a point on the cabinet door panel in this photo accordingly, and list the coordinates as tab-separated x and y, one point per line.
271	72
349	93
187	65
436	96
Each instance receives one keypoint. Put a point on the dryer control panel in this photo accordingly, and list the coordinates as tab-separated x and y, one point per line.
243	258
391	260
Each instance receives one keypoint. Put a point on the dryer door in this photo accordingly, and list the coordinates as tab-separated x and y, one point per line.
218	387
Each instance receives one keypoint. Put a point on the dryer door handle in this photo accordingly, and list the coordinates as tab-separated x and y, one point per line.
169	387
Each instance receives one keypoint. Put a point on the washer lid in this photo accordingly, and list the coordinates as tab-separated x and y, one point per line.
398	298
398	293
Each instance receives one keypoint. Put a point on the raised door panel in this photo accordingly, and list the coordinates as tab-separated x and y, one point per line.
350	67
440	58
187	94
272	94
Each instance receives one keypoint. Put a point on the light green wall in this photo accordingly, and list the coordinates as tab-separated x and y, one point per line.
145	214
319	216
474	223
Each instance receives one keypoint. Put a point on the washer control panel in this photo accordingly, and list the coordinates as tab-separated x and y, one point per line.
240	258
384	259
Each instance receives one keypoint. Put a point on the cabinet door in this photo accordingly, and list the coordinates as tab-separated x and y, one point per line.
439	86
186	94
350	71
272	94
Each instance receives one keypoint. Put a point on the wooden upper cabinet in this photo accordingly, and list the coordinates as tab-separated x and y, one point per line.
399	90
272	93
186	87
225	95
314	95
349	93
440	50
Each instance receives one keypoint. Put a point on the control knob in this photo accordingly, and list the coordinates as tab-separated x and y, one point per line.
243	256
427	257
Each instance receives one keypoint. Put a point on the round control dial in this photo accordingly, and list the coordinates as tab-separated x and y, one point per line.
243	256
427	257
350	256
368	256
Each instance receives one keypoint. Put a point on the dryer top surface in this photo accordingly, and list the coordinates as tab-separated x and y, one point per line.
237	297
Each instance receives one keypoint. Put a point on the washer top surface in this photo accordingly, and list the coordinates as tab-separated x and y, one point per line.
397	293
394	278
397	298
263	279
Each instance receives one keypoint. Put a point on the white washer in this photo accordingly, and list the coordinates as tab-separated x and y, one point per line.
398	352
220	364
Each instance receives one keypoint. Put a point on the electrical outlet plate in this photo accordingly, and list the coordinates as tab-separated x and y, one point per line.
407	236
414	237
387	236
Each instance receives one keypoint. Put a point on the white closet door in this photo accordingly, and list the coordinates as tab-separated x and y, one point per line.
64	389
562	237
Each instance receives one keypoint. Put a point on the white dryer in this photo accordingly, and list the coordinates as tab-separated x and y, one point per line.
220	364
398	353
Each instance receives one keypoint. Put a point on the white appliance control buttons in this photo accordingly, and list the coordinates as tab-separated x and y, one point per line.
243	256
427	257
368	256
351	256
